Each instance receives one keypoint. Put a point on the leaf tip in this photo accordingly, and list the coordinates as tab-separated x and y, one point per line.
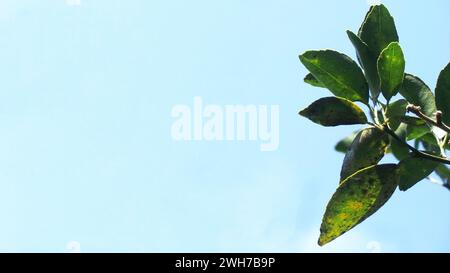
303	112
323	239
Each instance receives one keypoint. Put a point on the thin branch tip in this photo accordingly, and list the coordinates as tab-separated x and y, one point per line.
417	110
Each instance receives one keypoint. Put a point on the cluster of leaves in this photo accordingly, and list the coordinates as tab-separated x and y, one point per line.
365	185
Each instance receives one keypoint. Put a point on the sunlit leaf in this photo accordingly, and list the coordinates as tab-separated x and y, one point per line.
378	29
338	72
391	69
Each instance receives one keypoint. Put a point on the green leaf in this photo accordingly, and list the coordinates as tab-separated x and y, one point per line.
430	143
391	69
399	150
412	120
416	92
357	198
368	62
378	29
344	144
443	94
413	169
340	74
367	149
416	131
430	139
365	19
395	112
310	79
417	143
443	172
334	111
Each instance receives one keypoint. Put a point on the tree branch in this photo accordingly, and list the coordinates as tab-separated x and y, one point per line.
443	160
417	110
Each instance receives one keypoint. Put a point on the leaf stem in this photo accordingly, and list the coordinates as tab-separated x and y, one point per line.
441	142
443	160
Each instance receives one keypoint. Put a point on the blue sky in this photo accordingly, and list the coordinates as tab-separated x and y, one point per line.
86	153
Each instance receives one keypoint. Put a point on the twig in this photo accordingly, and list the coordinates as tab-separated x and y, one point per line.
414	150
417	110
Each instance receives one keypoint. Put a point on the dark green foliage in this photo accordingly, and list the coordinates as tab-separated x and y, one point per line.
368	62
364	184
413	169
443	93
344	144
334	111
399	150
378	29
313	81
416	92
367	149
338	72
395	112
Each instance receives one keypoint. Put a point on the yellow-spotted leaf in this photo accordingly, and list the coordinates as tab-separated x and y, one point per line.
367	149
334	111
357	197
